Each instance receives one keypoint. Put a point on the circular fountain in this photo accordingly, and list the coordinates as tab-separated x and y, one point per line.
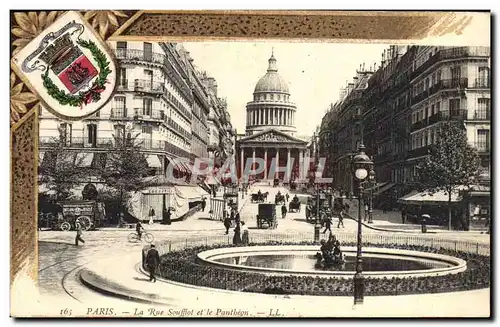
301	260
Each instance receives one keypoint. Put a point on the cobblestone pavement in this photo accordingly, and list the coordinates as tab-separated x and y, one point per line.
59	257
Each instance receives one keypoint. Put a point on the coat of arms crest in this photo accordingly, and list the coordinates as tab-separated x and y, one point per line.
69	67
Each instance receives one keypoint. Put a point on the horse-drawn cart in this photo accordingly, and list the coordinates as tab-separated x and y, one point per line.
294	205
259	197
84	213
267	216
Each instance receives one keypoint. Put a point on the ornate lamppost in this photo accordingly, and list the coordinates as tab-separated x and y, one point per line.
361	164
371	179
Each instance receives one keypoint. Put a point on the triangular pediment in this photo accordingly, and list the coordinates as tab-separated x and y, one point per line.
271	135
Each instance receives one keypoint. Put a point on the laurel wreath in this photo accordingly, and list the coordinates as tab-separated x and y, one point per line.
81	98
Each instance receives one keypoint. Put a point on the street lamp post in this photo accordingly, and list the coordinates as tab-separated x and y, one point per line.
361	163
371	178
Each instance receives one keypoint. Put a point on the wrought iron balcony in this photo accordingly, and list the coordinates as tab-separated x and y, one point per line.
482	114
149	114
148	86
482	83
119	113
140	55
419	152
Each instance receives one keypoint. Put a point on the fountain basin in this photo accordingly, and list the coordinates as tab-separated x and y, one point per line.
300	260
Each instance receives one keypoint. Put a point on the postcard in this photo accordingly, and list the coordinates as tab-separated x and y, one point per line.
250	164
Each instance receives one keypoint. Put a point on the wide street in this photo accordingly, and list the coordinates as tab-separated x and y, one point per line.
60	260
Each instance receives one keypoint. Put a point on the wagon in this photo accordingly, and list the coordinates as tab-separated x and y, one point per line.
294	206
267	216
257	198
279	199
84	213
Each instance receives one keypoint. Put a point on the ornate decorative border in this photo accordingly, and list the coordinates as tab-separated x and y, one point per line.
182	25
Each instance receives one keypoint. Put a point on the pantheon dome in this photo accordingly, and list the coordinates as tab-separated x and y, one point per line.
271	106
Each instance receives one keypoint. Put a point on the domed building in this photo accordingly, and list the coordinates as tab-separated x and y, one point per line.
270	128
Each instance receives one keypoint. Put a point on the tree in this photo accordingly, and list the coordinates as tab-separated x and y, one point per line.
60	170
126	166
452	163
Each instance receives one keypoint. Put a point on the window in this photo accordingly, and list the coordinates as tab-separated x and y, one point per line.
148	51
148	76
483	139
432	110
438	106
92	135
454	106
147	137
147	106
121	49
120	107
483	77
456	73
119	131
65	131
122	77
483	108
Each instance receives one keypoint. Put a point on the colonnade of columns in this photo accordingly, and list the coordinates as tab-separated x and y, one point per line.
268	154
270	116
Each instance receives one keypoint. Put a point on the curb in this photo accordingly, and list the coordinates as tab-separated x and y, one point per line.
386	229
99	284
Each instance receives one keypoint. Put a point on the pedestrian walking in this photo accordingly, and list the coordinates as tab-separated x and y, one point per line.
151	215
341	218
237	235
283	211
328	225
237	218
366	212
227	224
203	204
167	215
152	261
287	196
79	234
244	234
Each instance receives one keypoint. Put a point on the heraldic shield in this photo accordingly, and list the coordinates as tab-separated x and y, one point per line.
69	67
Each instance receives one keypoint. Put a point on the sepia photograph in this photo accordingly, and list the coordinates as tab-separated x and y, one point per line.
250	178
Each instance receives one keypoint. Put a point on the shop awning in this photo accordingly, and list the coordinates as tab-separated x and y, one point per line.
84	159
384	188
427	198
153	161
188	192
187	167
177	164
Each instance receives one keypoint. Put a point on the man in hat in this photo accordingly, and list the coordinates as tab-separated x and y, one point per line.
152	262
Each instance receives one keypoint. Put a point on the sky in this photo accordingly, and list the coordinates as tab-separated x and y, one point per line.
315	73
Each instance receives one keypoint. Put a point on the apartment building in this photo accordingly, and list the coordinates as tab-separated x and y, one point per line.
397	114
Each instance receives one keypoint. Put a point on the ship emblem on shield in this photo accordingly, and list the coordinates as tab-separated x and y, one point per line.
69	67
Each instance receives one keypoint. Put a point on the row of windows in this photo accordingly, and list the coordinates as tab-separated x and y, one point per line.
271	96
